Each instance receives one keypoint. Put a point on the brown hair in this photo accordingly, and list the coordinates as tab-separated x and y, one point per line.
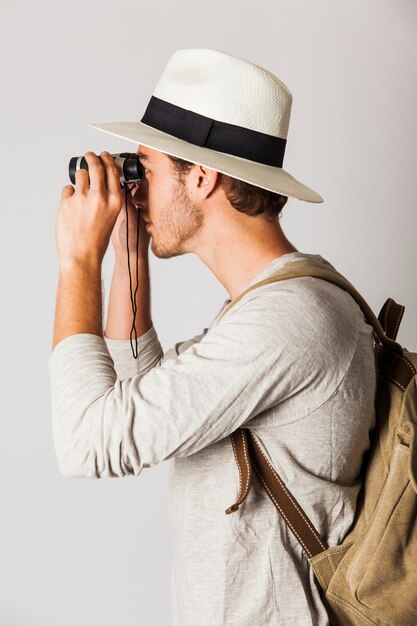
243	197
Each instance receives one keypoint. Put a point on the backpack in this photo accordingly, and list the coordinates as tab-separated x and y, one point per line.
371	576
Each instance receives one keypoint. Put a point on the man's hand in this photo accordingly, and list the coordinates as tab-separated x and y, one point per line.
120	232
88	213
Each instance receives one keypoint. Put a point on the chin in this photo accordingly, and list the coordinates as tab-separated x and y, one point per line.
164	253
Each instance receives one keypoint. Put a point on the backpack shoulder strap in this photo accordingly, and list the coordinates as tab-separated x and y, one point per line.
317	269
282	498
390	317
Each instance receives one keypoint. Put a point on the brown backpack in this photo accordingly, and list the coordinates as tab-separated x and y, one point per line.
371	576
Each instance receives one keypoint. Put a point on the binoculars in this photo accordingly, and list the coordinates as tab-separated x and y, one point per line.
128	162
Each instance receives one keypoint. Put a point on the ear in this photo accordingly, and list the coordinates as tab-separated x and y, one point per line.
203	181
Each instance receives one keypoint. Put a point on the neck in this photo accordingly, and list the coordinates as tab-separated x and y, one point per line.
237	249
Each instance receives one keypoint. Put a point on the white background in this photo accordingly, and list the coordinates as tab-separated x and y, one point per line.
80	552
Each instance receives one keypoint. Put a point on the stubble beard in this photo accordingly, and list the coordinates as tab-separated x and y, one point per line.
181	223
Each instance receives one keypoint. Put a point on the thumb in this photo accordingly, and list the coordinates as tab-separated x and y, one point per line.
67	192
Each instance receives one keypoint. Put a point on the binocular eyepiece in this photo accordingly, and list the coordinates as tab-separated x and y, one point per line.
131	168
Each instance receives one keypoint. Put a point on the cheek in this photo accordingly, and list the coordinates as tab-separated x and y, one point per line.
160	197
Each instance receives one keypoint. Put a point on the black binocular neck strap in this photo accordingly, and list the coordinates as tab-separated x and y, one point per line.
132	297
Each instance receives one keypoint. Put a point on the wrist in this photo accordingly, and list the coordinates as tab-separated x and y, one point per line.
87	264
121	259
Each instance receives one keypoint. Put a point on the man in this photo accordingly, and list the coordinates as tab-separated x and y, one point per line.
291	360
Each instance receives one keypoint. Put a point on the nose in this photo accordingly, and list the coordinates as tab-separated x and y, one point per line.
140	194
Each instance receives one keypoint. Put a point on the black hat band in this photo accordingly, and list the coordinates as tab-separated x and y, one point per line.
209	133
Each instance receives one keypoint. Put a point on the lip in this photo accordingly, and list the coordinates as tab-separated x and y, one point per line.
148	225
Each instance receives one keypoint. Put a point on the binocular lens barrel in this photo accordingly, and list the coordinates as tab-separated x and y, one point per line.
128	162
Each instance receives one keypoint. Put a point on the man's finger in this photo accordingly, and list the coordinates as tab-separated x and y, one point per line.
81	180
96	172
67	192
112	172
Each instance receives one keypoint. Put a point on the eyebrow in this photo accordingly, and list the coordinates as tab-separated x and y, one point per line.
142	155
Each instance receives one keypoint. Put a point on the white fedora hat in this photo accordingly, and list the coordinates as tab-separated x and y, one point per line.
217	110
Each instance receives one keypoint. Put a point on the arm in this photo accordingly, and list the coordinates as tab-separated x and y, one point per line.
119	334
253	359
120	319
78	301
120	313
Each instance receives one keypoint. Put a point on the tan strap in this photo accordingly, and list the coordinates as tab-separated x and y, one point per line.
317	269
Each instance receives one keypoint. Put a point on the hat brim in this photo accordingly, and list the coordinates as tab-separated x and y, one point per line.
266	176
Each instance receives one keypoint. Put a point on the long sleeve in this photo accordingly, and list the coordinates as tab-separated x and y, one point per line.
149	352
254	358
